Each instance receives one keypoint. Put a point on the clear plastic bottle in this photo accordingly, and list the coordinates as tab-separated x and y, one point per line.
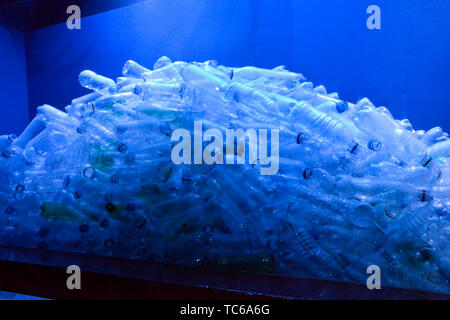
317	121
199	78
382	191
395	140
107	102
126	84
432	135
91	80
253	73
170	72
156	91
86	98
135	127
245	95
99	132
57	118
322	264
133	69
161	113
36	126
440	149
417	222
162	62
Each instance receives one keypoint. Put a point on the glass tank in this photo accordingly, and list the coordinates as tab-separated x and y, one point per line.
269	137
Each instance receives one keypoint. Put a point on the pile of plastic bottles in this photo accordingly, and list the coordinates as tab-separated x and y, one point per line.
355	187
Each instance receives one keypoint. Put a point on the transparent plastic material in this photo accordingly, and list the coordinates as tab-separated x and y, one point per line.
355	187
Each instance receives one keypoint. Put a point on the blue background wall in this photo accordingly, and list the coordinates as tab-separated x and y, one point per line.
13	81
404	66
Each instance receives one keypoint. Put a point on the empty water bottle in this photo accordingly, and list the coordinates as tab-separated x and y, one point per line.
133	69
91	80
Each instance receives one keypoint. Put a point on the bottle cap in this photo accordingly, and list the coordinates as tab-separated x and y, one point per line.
341	106
374	145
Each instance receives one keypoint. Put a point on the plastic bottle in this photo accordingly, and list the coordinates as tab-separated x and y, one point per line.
135	127
55	117
319	179
395	140
91	80
440	149
126	84
322	264
158	112
85	99
240	93
133	69
228	72
372	121
417	222
162	62
319	122
382	191
201	79
432	135
159	91
441	192
36	126
282	104
171	72
213	70
252	73
107	102
99	132
48	142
